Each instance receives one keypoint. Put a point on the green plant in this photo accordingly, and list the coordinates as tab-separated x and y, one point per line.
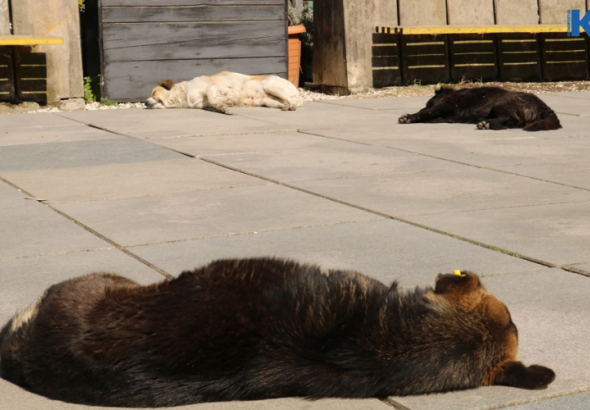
106	101
88	94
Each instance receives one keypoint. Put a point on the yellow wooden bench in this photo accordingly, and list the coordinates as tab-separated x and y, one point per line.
432	54
14	40
23	75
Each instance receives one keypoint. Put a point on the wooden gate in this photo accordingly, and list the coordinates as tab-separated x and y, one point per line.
147	41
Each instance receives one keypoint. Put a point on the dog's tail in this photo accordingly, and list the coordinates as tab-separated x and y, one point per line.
550	122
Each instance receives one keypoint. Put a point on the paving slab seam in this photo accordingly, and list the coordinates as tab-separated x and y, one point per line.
444	159
280	131
569	113
302	131
148	195
332	102
232	234
486	168
93	126
573	269
284	130
474	242
376	175
95	233
500	208
392	403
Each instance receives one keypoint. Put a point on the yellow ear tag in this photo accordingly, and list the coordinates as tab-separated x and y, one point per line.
457	272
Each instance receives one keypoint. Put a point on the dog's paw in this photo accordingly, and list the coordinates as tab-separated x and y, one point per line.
221	108
483	125
404	119
285	107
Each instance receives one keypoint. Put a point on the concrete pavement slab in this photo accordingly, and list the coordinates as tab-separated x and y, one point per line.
145	123
333	159
240	144
567	105
118	150
46	128
384	249
463	143
315	115
221	212
387	103
128	180
34	229
580	401
558	233
25	279
551	309
13	397
16	122
584	95
576	174
445	191
585	268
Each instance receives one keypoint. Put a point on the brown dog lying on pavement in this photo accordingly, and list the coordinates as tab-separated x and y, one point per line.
249	329
488	107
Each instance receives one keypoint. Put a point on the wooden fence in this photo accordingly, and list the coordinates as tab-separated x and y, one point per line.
438	55
405	59
147	41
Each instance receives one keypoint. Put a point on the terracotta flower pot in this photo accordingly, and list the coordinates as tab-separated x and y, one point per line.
295	52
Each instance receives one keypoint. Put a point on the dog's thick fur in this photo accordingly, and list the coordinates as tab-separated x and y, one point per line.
488	107
217	92
260	328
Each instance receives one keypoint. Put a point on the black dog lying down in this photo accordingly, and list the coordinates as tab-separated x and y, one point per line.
488	107
260	328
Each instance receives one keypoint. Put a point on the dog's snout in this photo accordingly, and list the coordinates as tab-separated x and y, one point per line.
153	103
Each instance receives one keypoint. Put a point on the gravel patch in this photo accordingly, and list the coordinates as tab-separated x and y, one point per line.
428	90
93	106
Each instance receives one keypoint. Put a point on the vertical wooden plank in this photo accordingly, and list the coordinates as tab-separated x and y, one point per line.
425	59
422	12
329	56
30	75
471	12
564	58
212	36
521	12
385	61
555	11
7	92
519	57
473	57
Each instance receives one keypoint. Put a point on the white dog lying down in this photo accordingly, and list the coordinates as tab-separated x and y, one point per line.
218	91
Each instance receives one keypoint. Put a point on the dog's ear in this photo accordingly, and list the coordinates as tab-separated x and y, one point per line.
516	374
457	285
167	84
